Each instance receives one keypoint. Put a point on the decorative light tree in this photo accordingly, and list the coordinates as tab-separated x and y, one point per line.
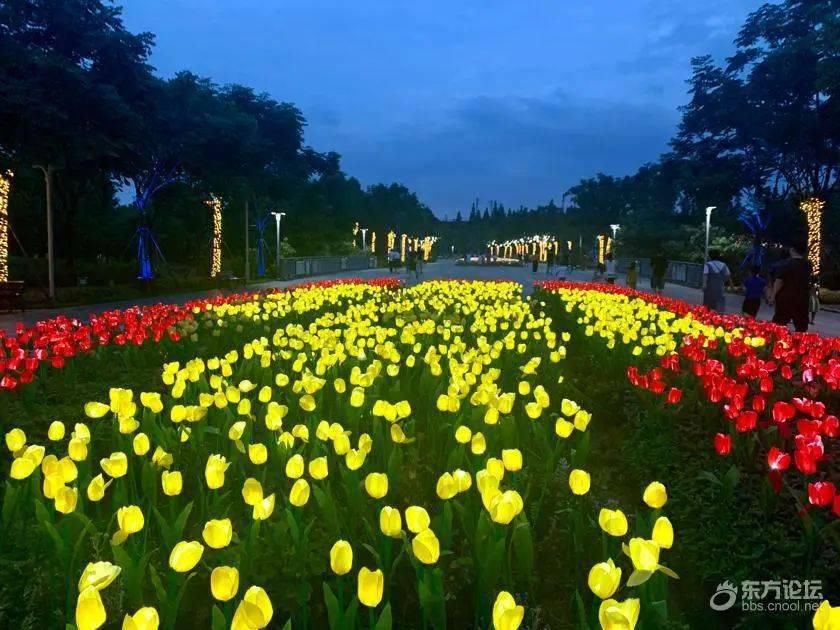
373	243
813	209
5	188
215	205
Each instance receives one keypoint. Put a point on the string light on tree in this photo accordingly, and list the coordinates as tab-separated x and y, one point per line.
402	249
373	242
392	238
813	209
215	205
601	244
5	187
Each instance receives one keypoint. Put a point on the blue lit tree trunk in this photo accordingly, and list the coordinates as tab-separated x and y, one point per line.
145	188
262	225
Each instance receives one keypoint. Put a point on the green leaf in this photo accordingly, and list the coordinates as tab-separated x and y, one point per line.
165	531
639	577
523	549
333	612
710	477
219	622
668	572
157	583
384	622
288	625
580	609
181	521
732	476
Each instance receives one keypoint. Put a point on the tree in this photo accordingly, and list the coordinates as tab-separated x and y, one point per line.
70	73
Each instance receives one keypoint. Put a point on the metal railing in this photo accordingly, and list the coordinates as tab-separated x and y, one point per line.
679	271
291	268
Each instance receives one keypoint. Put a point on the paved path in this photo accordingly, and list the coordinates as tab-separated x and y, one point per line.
828	323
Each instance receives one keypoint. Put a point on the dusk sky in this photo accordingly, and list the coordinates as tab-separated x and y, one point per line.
458	99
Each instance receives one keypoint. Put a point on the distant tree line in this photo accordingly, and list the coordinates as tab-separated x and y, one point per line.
760	134
133	150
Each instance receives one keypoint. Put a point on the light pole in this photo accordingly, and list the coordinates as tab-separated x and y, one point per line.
614	227
364	232
708	229
48	178
277	217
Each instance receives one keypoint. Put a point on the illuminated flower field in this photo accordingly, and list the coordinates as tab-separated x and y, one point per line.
363	455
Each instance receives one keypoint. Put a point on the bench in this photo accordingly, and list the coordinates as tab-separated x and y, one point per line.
11	296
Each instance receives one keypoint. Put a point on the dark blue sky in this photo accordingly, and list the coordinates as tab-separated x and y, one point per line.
513	101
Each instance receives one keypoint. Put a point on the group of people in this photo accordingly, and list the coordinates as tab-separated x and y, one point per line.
413	262
791	289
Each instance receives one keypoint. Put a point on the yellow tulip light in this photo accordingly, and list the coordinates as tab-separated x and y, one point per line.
663	532
185	556
15	440
371	585
416	519
579	482
613	522
56	431
655	495
224	583
98	575
144	619
172	483
827	617
218	533
66	500
644	554
376	485
604	579
254	611
264	508
214	471
90	611
426	547
614	615
299	494
96	488
507	615
341	557
390	521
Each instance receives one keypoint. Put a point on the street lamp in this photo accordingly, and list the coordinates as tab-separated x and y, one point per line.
708	229
364	232
277	217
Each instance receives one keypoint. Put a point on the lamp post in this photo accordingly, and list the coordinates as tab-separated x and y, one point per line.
364	232
277	217
48	181
614	227
708	229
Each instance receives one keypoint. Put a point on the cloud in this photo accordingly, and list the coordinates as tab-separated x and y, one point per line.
514	150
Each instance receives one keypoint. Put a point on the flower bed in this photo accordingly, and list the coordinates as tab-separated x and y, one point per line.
53	342
341	456
773	388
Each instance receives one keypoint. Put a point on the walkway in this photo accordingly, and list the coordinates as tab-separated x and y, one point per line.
828	323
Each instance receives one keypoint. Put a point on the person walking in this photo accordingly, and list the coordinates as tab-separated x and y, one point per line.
791	290
658	269
410	263
393	258
549	258
754	287
716	276
633	275
611	273
814	299
535	263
